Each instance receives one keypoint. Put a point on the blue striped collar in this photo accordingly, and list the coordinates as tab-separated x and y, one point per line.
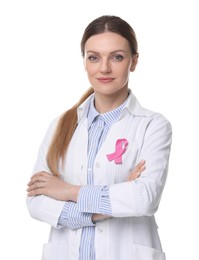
132	106
109	117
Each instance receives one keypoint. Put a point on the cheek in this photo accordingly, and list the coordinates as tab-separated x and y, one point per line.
91	69
124	72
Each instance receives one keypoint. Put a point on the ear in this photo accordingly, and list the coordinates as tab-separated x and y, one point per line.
134	62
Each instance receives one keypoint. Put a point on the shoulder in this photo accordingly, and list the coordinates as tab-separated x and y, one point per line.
150	120
54	122
52	128
136	109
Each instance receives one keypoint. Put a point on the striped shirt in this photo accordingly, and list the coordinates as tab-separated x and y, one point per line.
97	197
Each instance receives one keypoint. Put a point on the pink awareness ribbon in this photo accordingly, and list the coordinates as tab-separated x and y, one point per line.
120	148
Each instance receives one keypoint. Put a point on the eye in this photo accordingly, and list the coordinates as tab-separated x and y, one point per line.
118	57
93	58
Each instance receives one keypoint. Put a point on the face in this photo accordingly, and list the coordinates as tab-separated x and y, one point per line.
108	62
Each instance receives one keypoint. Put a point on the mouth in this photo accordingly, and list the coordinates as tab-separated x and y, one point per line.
105	80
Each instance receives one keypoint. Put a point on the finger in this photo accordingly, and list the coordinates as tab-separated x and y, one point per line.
139	168
32	182
137	171
36	185
39	178
42	173
140	164
40	191
136	174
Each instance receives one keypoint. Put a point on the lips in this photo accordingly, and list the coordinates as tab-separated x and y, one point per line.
105	80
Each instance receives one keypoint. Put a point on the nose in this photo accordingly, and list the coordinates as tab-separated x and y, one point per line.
105	66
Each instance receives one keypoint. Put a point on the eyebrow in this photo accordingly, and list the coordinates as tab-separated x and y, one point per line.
110	52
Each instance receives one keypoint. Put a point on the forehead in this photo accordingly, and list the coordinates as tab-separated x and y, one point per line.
107	41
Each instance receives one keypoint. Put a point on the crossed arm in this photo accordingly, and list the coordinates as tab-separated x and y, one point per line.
43	183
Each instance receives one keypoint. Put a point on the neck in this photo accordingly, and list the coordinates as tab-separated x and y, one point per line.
106	103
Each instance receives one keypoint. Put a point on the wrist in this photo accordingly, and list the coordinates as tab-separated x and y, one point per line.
98	217
74	192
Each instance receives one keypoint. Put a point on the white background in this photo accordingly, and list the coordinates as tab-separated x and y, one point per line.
42	75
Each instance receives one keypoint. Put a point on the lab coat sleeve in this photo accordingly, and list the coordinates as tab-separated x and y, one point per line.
141	197
41	207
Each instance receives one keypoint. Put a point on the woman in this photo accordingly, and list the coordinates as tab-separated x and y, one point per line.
103	164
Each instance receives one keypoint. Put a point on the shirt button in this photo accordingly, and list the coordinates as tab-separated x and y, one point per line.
89	207
97	165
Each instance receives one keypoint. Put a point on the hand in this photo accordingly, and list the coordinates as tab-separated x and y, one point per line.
140	167
43	183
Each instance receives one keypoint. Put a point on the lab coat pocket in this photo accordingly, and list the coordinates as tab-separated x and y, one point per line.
46	251
149	253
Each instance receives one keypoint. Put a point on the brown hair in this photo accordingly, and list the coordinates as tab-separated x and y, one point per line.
68	121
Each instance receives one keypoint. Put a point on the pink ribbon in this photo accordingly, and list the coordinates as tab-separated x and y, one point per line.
120	148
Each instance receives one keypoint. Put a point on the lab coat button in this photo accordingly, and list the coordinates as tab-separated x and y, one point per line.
97	165
100	230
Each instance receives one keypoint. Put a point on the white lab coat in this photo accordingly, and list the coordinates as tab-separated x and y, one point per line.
132	232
